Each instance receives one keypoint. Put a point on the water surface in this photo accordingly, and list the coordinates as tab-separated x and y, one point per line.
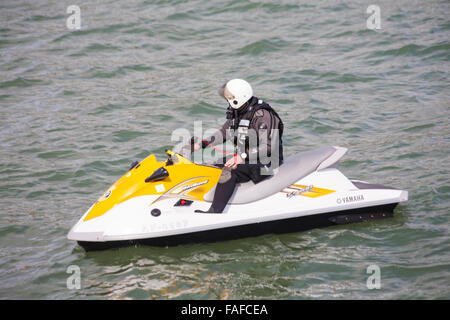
77	107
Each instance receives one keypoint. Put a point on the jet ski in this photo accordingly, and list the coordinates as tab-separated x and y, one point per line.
154	202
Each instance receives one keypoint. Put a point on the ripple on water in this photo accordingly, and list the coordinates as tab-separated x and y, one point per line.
78	107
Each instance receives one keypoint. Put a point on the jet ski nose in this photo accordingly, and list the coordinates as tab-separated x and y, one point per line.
86	230
85	236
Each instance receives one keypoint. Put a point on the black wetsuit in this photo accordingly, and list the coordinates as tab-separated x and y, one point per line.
260	158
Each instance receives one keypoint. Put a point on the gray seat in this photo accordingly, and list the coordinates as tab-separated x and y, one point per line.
293	169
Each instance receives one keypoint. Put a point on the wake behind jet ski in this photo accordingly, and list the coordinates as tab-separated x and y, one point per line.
154	202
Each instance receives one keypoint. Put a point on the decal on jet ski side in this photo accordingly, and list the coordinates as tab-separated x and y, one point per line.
306	191
184	189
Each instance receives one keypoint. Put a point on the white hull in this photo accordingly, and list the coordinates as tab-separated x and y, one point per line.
132	220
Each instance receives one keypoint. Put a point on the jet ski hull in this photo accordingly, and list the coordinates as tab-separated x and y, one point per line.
290	225
307	192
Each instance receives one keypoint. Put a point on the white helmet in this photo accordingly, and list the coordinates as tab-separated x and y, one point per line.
236	92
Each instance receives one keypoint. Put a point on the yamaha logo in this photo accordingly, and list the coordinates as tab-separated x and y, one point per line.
349	199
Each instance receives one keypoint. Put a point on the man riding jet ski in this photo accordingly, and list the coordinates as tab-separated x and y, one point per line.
247	116
258	190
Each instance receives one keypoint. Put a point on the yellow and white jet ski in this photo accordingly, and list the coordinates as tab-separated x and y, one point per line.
154	202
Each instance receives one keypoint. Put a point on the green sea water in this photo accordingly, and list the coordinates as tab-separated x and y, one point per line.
78	106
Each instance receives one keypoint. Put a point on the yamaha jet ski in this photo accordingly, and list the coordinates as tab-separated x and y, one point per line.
154	202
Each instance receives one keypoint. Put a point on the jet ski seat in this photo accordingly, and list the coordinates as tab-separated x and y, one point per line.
293	169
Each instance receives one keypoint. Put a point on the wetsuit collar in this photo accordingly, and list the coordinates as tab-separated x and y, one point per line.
245	107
